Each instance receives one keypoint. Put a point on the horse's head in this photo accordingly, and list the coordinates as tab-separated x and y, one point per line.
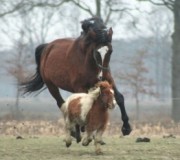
100	39
106	94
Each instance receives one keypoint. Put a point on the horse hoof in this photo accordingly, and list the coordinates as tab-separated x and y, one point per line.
126	129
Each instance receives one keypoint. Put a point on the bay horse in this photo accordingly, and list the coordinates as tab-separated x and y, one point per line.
75	65
89	110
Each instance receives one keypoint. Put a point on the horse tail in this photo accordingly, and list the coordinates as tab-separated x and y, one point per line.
36	82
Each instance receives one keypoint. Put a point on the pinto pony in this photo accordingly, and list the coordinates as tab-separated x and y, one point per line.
89	110
76	65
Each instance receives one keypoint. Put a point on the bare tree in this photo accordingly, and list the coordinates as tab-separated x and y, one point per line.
27	35
174	6
104	8
16	67
161	28
137	79
8	7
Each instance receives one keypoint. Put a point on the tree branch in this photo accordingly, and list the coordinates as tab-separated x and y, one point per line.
29	5
78	4
168	3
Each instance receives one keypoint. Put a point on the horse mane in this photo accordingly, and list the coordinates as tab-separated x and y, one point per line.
99	28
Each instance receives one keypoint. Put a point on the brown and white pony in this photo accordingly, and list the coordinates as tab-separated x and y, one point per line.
89	110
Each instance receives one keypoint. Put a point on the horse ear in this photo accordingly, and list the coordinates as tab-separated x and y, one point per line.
91	33
110	33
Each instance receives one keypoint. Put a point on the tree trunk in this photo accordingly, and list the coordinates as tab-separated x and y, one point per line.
17	112
137	105
98	8
176	63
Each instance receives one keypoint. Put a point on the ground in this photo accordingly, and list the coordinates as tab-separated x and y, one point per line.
117	148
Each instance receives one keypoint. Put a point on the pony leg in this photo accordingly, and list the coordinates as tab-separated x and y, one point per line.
97	141
55	93
76	134
68	129
87	138
126	128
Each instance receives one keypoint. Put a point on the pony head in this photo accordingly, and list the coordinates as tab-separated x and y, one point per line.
106	94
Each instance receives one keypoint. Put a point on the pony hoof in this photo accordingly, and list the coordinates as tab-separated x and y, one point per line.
126	130
86	143
82	129
73	134
78	139
68	144
102	143
99	152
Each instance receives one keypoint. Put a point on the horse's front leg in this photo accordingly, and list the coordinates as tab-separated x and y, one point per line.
126	128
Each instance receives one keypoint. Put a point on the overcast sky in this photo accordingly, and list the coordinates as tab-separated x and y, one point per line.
138	23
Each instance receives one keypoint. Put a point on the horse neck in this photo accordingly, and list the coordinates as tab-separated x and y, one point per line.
85	44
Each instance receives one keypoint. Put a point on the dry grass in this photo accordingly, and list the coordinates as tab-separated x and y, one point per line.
53	148
56	128
43	140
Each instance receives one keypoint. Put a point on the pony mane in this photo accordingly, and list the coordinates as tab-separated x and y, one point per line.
104	84
94	92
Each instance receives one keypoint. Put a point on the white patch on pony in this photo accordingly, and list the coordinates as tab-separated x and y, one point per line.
114	100
64	107
112	91
103	50
87	102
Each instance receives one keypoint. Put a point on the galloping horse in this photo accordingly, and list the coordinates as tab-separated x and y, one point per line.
89	110
76	65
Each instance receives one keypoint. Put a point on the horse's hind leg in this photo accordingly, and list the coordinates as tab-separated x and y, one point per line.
55	93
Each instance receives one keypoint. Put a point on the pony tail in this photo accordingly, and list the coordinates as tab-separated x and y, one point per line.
36	82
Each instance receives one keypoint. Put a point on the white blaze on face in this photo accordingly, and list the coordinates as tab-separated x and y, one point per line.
103	50
114	100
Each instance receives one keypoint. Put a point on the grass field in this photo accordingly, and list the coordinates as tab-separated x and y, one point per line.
53	148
